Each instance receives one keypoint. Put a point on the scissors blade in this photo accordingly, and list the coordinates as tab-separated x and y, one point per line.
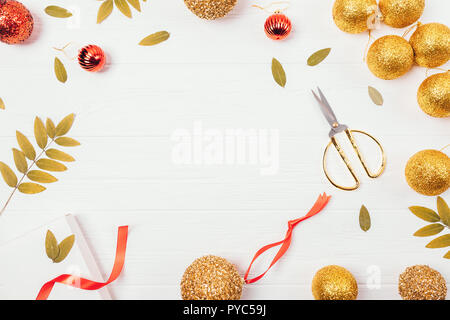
326	108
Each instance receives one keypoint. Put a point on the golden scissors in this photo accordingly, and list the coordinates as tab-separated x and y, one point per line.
336	128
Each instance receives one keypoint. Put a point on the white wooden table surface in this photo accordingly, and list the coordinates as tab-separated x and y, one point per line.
217	75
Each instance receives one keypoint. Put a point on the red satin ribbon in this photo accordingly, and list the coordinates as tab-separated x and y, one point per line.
86	284
317	207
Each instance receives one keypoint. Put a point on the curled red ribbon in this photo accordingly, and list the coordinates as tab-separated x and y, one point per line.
321	202
86	284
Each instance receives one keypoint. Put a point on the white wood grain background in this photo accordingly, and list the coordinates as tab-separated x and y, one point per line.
218	73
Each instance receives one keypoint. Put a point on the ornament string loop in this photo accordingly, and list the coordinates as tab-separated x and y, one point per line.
265	8
321	202
416	25
63	50
374	20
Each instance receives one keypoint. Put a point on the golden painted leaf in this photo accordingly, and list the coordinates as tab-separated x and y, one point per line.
50	165
155	38
64	126
67	142
105	10
447	255
40	133
51	245
136	4
26	146
31	188
376	96
425	214
59	155
123	6
2	104
41	176
57	12
364	218
318	56
429	230
8	175
64	248
60	71
20	160
50	128
440	242
444	211
278	73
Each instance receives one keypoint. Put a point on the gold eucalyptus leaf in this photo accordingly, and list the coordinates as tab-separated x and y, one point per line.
447	255
136	4
31	188
155	38
123	6
50	165
20	160
425	214
67	142
64	248
318	56
60	71
64	126
429	230
2	104
59	155
8	175
376	96
105	10
443	210
278	73
51	245
41	176
25	145
58	12
364	218
50	128
40	133
440	242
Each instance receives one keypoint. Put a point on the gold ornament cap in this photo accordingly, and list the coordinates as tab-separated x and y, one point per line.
431	45
421	282
433	95
401	13
352	16
334	283
210	9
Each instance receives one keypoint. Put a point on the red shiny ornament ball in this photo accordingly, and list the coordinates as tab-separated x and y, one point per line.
277	26
16	22
91	58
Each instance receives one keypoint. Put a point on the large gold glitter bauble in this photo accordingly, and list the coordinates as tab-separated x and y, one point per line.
390	57
210	9
433	95
428	172
431	45
211	278
352	15
401	13
421	282
334	283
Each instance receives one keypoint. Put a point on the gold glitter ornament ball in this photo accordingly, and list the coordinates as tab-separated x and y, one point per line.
428	172
401	13
211	278
431	45
210	9
390	57
421	282
334	283
433	95
352	15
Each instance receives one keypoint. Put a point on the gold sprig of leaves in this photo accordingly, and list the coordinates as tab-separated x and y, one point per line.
106	8
57	12
26	158
278	73
439	221
58	252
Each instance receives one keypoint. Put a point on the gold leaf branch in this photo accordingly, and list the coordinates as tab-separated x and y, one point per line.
107	7
45	136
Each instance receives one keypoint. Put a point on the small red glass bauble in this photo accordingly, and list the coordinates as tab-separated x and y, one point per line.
277	26
16	22
92	58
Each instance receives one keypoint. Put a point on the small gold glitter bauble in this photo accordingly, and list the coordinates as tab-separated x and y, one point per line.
421	282
401	13
334	283
390	57
352	15
211	278
428	172
210	9
431	44
433	95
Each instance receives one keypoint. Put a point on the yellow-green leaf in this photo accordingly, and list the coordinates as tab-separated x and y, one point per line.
429	230
57	12
123	6
8	175
425	214
31	188
440	242
20	160
59	155
40	133
278	73
136	4
50	165
447	255
60	71
25	145
50	128
67	142
155	38
105	10
41	176
443	210
364	218
51	245
318	56
376	96
64	248
64	126
2	104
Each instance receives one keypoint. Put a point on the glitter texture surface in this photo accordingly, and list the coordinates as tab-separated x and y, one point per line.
16	22
401	13
421	283
351	15
210	9
334	283
390	57
433	95
428	172
431	44
211	278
